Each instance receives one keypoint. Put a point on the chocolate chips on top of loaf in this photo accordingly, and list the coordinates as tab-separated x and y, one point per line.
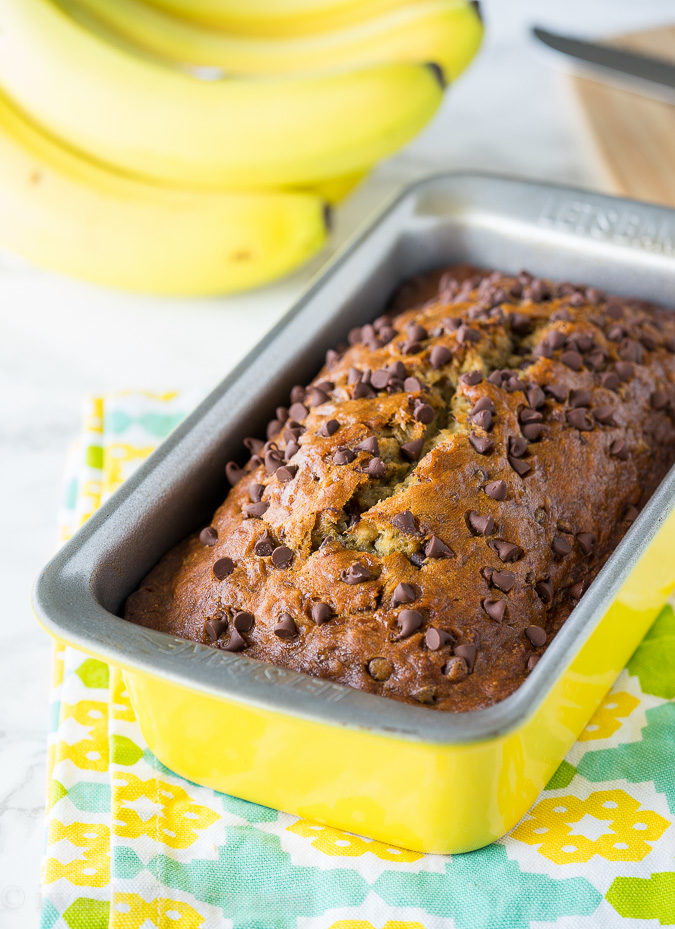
420	520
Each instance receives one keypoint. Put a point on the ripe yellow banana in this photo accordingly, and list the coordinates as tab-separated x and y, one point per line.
445	31
71	215
156	122
278	17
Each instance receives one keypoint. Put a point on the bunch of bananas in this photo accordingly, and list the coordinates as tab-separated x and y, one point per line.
194	146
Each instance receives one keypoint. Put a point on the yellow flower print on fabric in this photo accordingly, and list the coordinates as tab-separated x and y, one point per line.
343	844
159	810
120	703
91	752
626	836
117	459
92	867
607	719
364	924
131	911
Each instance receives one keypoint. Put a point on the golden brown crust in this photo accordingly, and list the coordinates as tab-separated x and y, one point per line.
585	408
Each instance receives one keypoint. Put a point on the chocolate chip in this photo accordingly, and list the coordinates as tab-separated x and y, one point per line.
536	635
535	397
376	468
440	355
380	378
557	391
659	400
520	324
380	669
398	370
434	639
404	593
580	419
255	492
495	609
483	419
273	460
223	568
579	398
456	669
532	662
482	443
408	621
517	446
496	490
291	449
417	559
282	556
329	428
610	380
256	509
572	360
631	351
208	536
436	548
468	653
285	627
480	525
519	466
233	472
369	445
587	541
297	411
596	360
411	450
619	449
533	431
465	335
343	455
556	339
405	521
416	332
503	580
264	546
215	627
423	413
287	473
362	391
625	370
273	426
506	551
544	591
356	574
604	415
253	445
577	590
243	621
482	404
669	344
471	378
321	613
560	545
235	643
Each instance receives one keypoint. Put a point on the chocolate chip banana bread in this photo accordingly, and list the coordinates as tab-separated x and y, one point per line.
424	516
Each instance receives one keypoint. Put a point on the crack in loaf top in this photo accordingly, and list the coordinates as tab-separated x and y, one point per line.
425	514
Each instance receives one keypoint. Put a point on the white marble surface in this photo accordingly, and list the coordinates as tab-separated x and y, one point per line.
60	340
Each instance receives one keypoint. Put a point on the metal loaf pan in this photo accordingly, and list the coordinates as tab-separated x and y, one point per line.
407	775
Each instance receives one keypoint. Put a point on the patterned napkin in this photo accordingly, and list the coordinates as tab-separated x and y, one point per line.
131	845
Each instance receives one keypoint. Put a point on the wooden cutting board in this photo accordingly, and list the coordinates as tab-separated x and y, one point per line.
634	135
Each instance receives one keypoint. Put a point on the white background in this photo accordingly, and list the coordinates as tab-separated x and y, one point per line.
59	341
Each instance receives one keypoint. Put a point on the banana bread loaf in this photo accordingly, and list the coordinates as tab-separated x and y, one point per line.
424	516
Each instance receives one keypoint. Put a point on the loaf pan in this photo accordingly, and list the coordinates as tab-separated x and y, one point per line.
406	775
